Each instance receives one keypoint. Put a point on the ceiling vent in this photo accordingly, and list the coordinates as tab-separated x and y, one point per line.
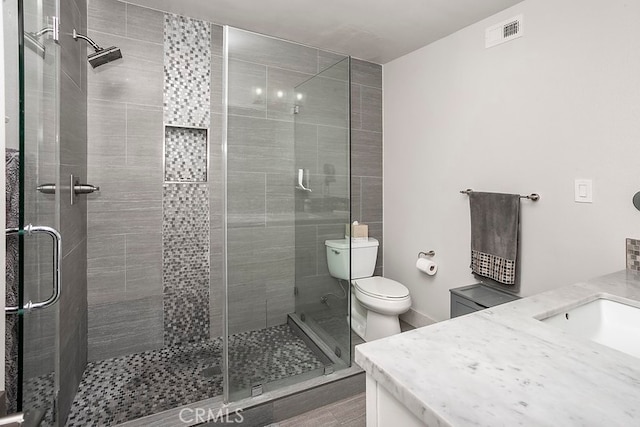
504	31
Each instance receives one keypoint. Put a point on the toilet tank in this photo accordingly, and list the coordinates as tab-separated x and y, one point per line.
363	258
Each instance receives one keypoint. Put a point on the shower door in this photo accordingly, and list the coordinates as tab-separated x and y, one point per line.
267	347
323	206
33	209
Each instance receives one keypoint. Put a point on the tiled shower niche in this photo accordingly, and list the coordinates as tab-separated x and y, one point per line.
186	153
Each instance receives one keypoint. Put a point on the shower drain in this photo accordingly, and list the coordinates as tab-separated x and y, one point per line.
211	371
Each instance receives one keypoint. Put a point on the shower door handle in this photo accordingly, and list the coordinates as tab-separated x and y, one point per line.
300	184
57	250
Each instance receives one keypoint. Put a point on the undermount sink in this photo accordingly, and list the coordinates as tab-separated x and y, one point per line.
607	322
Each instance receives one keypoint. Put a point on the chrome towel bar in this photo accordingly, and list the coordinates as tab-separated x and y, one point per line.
533	196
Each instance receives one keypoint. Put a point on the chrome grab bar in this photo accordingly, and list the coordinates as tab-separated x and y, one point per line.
300	184
13	420
57	250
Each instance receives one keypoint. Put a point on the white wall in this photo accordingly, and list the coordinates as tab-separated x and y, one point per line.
531	115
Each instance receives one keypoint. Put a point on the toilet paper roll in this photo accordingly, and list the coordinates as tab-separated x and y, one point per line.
427	266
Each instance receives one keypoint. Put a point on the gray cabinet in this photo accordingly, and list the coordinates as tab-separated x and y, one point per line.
468	299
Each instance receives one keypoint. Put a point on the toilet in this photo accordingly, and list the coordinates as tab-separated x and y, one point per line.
376	302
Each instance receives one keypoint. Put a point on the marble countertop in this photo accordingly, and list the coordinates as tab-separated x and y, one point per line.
502	366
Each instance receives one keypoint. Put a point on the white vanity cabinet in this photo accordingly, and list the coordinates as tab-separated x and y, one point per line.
384	410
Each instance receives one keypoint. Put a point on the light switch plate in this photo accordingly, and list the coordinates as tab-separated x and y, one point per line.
583	191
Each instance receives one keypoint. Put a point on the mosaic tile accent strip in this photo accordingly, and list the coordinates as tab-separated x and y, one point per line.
185	237
125	388
185	154
633	254
185	262
186	316
187	70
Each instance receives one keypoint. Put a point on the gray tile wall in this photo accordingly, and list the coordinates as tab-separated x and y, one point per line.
366	149
73	218
125	291
127	112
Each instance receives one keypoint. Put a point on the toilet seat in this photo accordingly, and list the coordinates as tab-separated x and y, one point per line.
381	288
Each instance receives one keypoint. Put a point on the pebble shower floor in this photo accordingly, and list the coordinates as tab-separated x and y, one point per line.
124	388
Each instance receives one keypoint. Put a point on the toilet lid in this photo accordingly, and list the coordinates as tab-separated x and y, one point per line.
381	287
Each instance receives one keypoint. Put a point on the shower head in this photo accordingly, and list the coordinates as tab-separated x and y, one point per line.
100	56
103	56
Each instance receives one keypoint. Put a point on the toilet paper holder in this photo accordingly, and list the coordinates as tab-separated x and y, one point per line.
426	254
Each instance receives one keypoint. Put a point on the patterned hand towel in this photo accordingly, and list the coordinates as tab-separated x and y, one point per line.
494	235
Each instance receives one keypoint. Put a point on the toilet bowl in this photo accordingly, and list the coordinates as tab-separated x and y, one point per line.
376	302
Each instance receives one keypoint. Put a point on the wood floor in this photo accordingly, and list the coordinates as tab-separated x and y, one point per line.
343	413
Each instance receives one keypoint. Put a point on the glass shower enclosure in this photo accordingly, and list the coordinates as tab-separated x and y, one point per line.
287	190
264	312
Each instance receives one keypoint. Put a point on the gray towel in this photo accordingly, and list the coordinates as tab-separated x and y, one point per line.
494	235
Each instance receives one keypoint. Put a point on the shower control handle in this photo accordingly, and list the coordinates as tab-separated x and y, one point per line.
74	183
85	188
77	188
47	188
